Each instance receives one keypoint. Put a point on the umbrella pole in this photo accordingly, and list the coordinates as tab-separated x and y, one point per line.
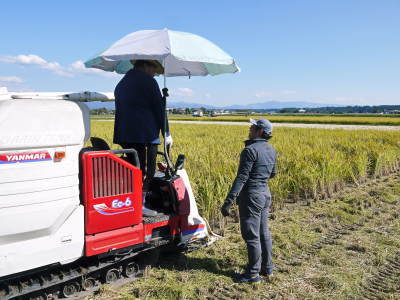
165	78
170	168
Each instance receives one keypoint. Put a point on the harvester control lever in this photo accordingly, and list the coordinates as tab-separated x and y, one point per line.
165	92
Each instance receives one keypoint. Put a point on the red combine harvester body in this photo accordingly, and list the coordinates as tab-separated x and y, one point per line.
112	192
112	196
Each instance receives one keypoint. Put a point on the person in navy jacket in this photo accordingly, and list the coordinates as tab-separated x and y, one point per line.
139	114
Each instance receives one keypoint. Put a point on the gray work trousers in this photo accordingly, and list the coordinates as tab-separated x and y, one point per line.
253	212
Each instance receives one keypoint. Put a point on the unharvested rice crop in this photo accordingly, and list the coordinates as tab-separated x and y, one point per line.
306	119
312	164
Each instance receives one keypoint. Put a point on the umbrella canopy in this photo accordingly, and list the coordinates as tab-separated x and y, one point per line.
181	54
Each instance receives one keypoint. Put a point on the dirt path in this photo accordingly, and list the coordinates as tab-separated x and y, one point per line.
346	247
293	125
296	125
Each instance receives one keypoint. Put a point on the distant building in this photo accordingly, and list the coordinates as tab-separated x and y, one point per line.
301	110
219	112
392	112
197	113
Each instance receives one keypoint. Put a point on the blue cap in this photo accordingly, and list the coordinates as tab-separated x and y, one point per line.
263	124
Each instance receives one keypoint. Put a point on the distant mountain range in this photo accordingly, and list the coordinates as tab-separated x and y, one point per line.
262	105
279	105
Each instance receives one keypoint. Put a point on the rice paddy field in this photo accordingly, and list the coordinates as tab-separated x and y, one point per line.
335	219
390	120
313	163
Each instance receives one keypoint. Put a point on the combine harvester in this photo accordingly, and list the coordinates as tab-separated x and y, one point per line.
71	217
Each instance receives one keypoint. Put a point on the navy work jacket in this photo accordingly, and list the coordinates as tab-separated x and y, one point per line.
139	109
257	165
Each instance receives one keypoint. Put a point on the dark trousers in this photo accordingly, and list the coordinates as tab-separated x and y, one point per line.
254	211
148	158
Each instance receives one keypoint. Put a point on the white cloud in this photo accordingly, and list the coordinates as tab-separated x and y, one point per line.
289	92
182	92
32	59
70	71
263	94
11	79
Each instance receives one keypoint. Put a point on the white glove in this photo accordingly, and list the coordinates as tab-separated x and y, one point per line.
168	141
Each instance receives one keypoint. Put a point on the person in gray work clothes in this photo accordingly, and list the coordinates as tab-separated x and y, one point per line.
251	192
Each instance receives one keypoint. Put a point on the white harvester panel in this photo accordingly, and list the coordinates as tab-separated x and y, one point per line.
41	218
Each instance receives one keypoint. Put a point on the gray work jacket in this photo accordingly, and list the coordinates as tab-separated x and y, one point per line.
257	165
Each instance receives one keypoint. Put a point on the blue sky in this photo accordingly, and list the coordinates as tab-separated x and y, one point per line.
339	52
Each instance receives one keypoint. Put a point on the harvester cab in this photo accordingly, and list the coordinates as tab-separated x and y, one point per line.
71	213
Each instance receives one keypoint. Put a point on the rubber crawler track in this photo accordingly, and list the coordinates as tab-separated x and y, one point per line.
49	284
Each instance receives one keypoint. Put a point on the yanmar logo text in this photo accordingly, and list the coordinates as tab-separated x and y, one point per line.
23	157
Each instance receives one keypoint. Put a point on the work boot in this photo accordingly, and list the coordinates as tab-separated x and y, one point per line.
146	211
247	278
266	274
